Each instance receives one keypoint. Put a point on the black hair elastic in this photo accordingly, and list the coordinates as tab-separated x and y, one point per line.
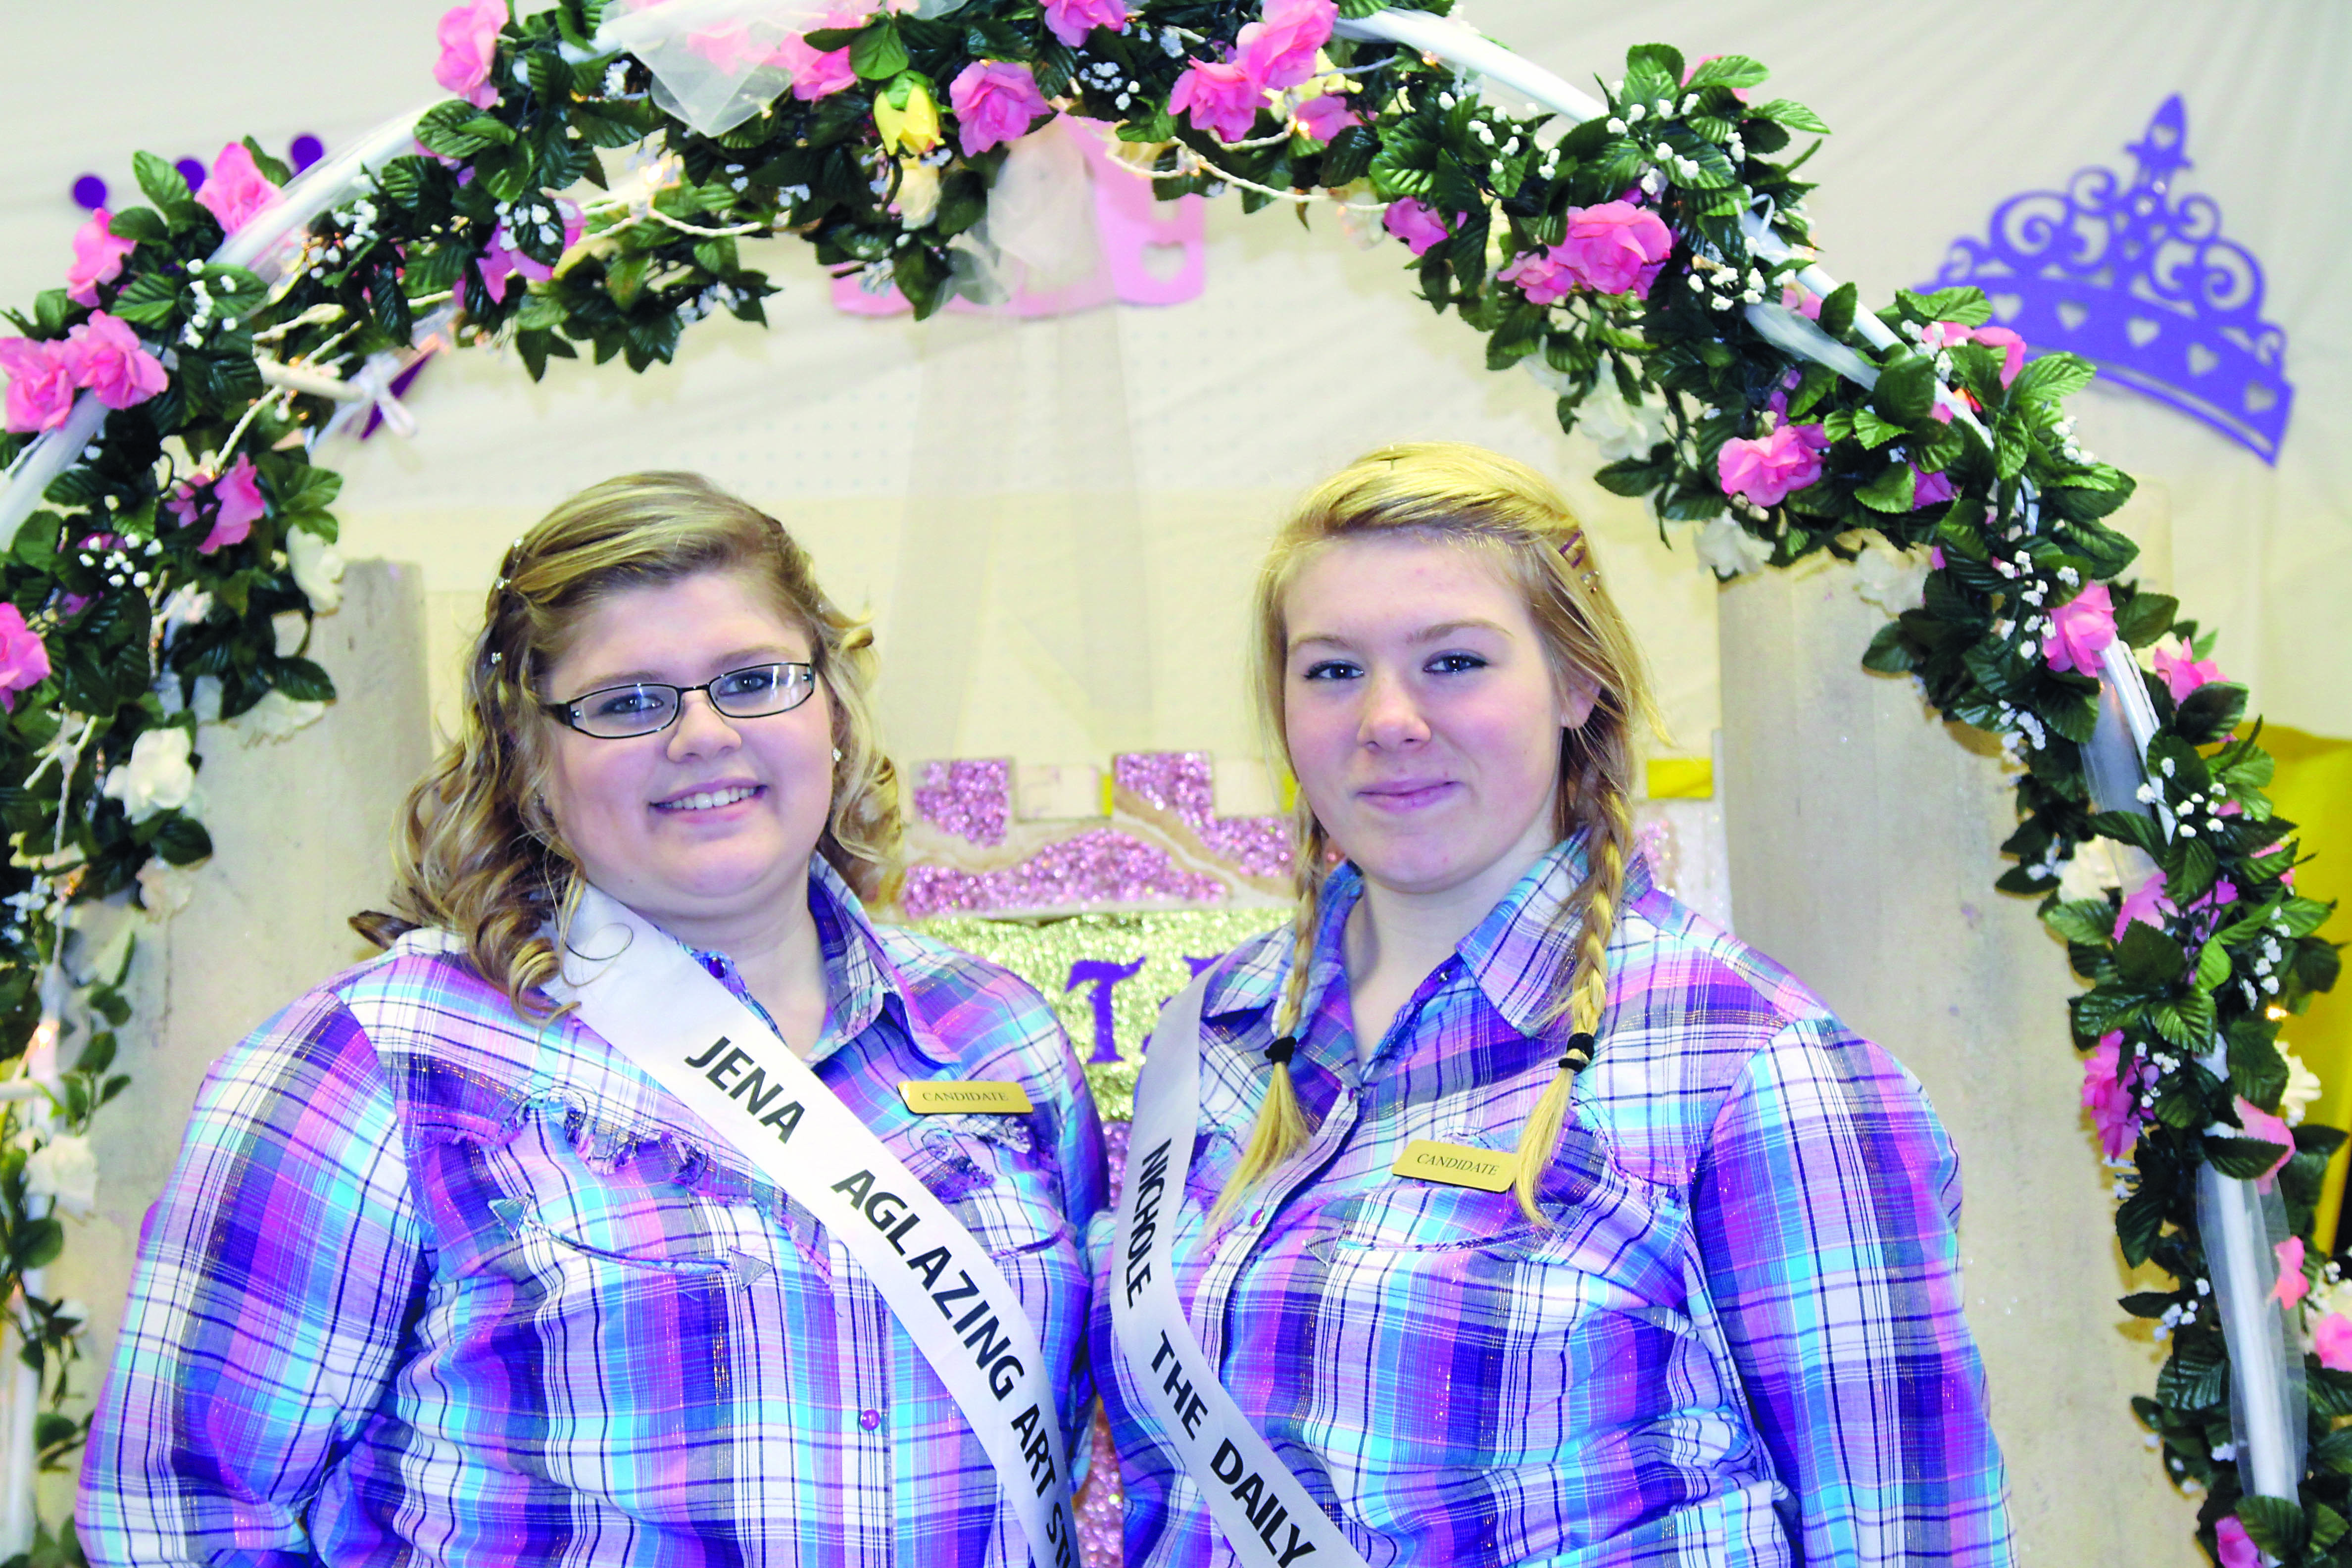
1579	1055
1281	1051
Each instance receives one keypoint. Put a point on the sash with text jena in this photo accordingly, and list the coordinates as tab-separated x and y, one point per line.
648	998
1266	1515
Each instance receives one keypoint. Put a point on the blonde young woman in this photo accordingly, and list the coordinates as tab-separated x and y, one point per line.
457	1268
1527	1218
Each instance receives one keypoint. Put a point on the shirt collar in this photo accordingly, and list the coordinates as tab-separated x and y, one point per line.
860	979
1514	955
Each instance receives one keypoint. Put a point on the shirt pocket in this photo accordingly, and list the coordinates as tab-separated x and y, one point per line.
1519	1338
987	1170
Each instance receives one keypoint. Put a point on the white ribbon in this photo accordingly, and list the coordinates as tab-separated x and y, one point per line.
1268	1518
647	998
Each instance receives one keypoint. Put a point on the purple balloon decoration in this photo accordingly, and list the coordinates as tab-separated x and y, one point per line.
306	151
2141	283
192	171
90	193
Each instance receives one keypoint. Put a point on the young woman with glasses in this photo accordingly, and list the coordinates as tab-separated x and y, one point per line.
1501	1210
447	1275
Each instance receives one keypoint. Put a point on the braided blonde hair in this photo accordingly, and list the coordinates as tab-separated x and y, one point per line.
476	852
1480	500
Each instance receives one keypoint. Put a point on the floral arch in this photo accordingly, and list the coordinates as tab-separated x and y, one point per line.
161	511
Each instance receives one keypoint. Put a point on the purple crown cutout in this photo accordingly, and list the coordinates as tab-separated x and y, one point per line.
2142	284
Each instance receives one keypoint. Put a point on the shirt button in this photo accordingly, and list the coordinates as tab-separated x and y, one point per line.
869	1419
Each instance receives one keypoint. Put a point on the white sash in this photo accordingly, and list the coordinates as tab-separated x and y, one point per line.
649	999
1268	1519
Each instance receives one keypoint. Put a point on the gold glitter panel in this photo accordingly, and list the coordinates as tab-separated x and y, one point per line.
1107	975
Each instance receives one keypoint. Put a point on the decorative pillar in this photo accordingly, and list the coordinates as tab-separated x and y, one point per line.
1863	841
300	831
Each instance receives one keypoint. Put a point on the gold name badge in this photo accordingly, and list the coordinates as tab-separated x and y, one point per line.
1456	1165
977	1095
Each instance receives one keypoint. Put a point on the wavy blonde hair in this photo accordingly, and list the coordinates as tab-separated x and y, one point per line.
476	852
1514	518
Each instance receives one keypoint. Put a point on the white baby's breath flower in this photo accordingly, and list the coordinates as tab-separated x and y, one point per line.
2302	1087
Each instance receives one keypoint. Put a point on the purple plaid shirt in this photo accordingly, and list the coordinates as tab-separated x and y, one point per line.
432	1284
1738	1342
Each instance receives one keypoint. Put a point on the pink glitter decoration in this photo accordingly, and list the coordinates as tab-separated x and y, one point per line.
1095	867
1101	1504
970	797
1183	782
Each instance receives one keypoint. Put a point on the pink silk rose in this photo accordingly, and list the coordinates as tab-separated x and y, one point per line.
2145	904
1541	275
2291	1286
2182	670
2233	1545
2109	1095
2331	1340
1279	51
1804	301
2262	1126
1929	490
24	660
816	73
2079	628
98	257
1323	118
40	386
1220	96
995	101
235	191
1941	334
1072	20
1769	468
1416	224
106	357
469	45
234	503
500	260
1616	247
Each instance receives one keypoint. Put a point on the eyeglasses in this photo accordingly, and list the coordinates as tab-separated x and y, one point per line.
647	707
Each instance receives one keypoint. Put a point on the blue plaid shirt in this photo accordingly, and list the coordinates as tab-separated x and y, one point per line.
436	1284
1737	1342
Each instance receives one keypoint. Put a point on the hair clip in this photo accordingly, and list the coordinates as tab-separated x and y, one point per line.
1579	556
495	657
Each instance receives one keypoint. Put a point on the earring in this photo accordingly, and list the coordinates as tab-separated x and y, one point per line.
837	754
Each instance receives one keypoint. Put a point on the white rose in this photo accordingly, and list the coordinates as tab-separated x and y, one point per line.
1621	429
64	1170
276	716
164	889
1730	550
318	569
157	778
187	606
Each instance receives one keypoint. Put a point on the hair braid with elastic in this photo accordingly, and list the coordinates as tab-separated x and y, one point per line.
1279	1128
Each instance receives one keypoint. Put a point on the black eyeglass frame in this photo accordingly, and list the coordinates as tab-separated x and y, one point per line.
568	713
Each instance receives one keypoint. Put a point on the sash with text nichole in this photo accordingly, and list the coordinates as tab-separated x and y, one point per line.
1268	1519
648	997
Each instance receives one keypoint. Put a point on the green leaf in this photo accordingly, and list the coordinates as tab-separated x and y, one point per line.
1906	392
150	299
2257	1072
2147	958
2210	713
1348	156
1837	310
166	187
36	1244
2145	617
876	54
2130	827
2196	1375
459	130
1889	653
2053	376
302	680
1633	477
182	841
2327	1527
2147	1303
138	225
2213	968
2244	1158
2139	1222
1727	70
2087	921
2299	916
1795	116
2274	1524
1892	491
